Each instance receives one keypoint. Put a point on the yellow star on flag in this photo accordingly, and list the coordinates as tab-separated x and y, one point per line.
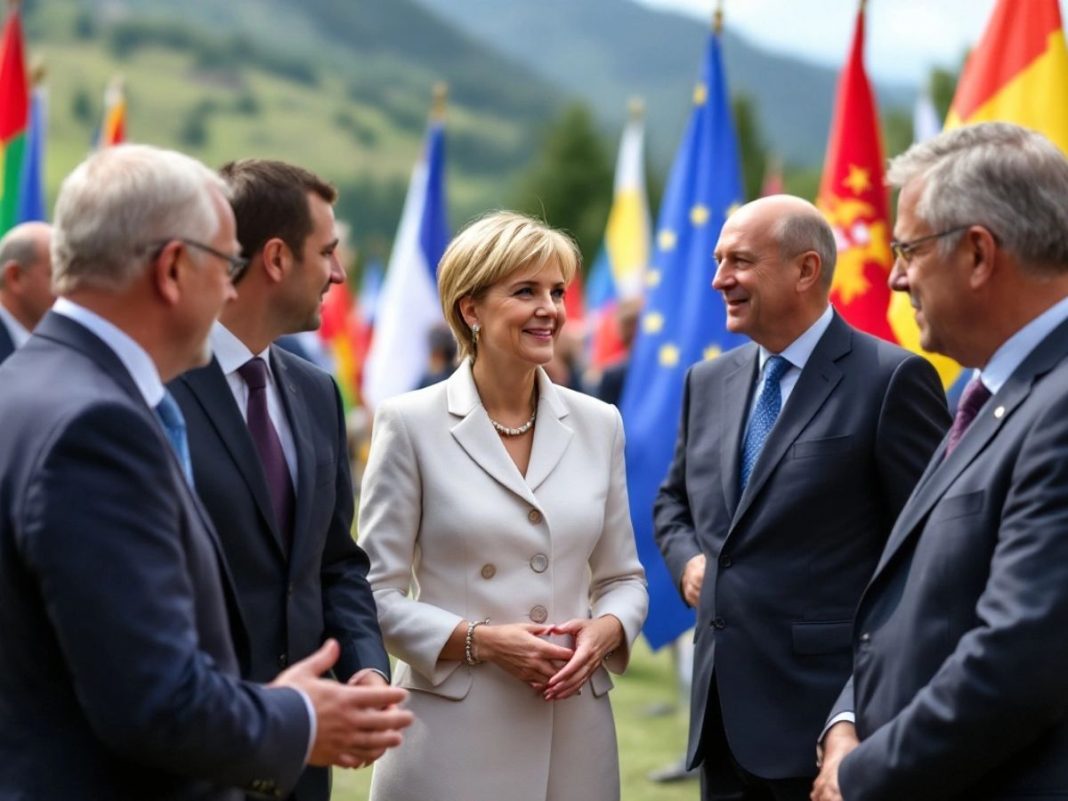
666	239
733	207
699	215
652	278
711	352
859	180
653	323
700	94
669	355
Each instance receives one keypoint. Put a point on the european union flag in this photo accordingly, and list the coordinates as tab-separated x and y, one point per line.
683	321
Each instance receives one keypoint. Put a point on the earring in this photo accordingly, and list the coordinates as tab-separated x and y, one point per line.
474	333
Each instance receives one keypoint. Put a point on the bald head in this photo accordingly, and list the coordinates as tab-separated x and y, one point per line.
797	226
26	272
775	261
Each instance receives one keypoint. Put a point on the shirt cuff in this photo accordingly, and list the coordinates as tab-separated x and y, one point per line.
841	717
313	723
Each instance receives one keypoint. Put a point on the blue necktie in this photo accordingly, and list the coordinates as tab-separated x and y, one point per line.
174	425
764	416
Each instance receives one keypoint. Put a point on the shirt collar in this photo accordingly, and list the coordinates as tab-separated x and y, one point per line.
1017	347
797	353
133	357
231	352
18	331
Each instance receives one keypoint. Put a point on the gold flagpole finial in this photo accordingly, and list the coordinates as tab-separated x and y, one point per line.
717	19
38	71
441	95
636	108
863	6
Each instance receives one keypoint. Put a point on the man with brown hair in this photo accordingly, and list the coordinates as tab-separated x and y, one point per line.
267	436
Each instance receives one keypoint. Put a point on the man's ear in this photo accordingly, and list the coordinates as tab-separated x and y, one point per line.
166	272
277	258
811	270
982	250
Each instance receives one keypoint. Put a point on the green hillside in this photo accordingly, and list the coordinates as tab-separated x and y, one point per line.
340	86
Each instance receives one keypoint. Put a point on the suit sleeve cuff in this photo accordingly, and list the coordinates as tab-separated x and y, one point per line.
312	723
841	717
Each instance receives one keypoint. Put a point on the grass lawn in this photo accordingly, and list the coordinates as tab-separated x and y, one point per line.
645	743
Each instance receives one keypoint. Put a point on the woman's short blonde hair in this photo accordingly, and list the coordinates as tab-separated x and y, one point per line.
490	249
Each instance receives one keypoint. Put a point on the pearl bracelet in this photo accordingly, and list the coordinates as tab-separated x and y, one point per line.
469	642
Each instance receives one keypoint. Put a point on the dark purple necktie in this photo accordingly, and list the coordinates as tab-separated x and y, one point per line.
971	401
264	434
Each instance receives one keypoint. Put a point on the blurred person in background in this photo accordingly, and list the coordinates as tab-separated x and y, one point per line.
501	498
25	283
442	359
267	437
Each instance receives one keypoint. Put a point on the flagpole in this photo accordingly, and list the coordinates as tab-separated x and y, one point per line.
717	19
438	104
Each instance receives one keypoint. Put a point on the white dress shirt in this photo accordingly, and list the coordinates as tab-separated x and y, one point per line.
231	354
1019	346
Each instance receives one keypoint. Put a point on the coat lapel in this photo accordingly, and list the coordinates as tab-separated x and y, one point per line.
736	393
551	435
476	436
209	387
300	425
942	472
817	381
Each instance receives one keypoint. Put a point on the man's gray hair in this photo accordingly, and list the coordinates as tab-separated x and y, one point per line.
19	246
805	231
121	201
1011	180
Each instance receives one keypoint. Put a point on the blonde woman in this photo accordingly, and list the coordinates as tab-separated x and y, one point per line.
494	510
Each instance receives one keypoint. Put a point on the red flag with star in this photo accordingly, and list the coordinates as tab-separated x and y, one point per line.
854	199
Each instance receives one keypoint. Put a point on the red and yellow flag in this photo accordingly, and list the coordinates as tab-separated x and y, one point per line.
14	117
338	331
854	199
1017	73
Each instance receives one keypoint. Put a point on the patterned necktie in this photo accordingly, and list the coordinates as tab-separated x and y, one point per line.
269	446
174	426
971	401
768	406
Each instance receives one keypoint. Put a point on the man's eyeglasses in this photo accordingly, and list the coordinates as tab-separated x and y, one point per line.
236	264
906	250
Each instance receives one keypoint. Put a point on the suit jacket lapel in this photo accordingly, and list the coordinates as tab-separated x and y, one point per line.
300	425
818	379
476	436
942	472
209	387
551	435
736	393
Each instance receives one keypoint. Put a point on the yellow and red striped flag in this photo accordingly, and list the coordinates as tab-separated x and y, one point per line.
1017	73
14	118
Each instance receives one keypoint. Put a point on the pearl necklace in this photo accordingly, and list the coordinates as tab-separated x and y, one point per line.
508	431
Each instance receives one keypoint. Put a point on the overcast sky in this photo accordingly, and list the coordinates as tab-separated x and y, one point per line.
905	38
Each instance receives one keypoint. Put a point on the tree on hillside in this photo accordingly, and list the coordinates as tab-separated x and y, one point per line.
570	183
751	149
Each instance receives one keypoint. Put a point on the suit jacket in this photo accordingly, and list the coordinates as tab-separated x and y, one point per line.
443	504
7	345
289	602
788	559
118	679
961	653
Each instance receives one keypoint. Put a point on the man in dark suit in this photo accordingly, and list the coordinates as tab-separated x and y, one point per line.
118	677
770	522
275	477
25	283
959	687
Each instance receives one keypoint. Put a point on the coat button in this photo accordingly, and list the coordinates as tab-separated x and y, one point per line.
539	563
719	623
534	516
865	637
283	661
539	614
725	561
488	571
